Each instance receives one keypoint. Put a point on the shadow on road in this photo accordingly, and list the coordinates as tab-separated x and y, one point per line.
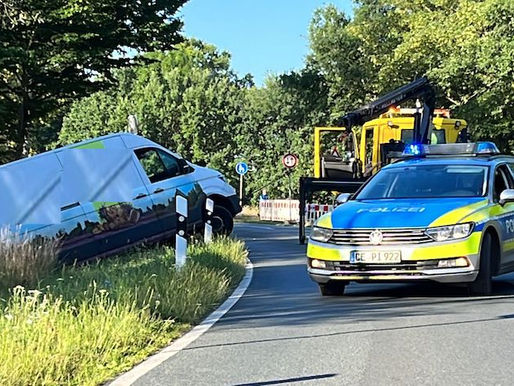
290	380
282	294
353	332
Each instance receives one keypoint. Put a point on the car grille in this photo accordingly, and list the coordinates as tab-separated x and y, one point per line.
390	236
403	267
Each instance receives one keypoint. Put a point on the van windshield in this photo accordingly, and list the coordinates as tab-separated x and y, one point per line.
427	181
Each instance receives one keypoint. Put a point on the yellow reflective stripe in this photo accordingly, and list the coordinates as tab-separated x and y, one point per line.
487	213
456	215
470	246
323	253
508	245
325	221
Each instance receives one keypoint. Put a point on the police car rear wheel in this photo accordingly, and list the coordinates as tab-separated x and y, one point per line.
482	285
332	288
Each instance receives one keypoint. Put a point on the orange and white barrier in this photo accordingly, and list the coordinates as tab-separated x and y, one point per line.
279	210
315	211
288	210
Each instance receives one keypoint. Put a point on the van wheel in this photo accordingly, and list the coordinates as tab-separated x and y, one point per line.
332	288
482	286
222	221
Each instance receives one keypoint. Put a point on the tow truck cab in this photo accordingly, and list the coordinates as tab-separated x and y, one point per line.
380	140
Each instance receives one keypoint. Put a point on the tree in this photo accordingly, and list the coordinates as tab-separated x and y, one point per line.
188	100
280	118
465	47
55	51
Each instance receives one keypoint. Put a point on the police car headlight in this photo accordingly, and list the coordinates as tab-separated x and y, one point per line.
452	232
321	234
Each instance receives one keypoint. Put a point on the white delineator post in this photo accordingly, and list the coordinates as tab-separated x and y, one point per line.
209	208
181	235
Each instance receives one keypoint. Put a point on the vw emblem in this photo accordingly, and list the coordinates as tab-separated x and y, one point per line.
375	237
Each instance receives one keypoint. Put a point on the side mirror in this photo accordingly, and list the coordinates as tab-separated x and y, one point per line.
185	168
506	196
343	197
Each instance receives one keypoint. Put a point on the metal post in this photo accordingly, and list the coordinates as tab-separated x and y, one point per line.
289	198
302	211
181	235
241	190
209	208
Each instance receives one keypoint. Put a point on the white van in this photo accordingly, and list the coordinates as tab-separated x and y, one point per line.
103	195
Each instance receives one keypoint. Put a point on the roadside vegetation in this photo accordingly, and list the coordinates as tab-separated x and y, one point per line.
85	324
190	99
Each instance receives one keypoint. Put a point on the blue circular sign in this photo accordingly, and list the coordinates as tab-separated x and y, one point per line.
242	168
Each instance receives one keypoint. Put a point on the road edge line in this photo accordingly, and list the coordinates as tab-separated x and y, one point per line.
132	375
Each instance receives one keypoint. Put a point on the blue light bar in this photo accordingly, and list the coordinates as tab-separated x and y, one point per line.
413	150
486	148
478	148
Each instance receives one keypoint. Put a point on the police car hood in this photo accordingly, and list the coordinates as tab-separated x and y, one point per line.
402	213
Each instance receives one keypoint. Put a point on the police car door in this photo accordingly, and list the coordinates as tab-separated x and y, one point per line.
503	180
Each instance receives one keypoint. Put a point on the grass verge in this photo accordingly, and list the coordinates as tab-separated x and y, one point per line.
87	324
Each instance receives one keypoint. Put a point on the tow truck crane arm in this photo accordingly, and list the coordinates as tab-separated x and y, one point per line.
418	89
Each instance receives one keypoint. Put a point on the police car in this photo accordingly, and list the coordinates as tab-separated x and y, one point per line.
443	213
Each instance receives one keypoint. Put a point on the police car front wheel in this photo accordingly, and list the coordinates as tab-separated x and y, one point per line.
482	285
332	288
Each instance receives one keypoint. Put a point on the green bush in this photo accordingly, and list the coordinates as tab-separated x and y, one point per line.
89	323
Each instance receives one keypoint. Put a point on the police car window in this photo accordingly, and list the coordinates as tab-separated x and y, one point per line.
427	181
502	181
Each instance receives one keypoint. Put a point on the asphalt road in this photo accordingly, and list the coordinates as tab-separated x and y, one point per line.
283	332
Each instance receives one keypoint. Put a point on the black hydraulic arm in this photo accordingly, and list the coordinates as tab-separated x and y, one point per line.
418	89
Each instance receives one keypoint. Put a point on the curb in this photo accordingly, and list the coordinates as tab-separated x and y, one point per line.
181	343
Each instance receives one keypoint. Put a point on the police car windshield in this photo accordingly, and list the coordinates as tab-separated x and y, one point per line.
427	181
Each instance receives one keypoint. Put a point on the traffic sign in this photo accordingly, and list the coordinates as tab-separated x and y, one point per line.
242	168
289	161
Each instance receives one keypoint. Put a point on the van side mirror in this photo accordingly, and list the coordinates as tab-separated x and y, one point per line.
185	168
506	196
342	198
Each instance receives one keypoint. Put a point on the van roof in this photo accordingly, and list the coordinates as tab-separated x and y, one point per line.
84	145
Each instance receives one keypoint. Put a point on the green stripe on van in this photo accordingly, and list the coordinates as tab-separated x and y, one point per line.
91	145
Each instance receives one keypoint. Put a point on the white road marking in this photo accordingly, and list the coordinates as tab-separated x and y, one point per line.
155	360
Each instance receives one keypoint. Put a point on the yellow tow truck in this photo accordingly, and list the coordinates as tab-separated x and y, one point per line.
385	131
379	138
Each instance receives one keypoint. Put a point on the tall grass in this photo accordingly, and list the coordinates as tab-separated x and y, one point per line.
86	324
25	260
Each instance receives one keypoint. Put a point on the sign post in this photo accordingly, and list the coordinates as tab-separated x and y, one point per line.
241	169
181	206
209	208
289	161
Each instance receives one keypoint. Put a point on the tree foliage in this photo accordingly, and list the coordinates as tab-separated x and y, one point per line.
191	101
55	51
465	47
188	100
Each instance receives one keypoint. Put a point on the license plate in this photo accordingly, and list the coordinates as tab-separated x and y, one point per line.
376	257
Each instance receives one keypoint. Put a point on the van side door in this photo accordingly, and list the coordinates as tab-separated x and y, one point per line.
169	176
105	181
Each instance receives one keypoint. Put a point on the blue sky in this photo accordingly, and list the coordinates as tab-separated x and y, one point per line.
263	36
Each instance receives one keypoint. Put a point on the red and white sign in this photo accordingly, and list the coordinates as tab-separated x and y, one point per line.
289	161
